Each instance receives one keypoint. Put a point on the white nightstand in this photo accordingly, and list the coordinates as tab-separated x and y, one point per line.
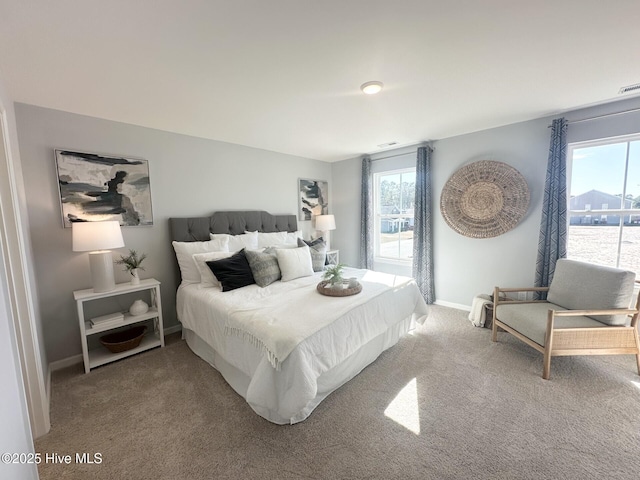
333	257
100	355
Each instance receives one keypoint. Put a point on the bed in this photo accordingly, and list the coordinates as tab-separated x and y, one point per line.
284	347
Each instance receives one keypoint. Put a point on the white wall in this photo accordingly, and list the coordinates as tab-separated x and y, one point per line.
464	266
189	177
345	203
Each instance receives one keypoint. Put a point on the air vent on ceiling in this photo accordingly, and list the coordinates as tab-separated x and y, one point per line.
629	88
386	145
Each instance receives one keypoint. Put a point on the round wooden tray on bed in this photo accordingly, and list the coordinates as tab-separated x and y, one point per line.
337	292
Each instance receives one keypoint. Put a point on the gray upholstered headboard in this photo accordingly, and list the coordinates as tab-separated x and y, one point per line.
197	229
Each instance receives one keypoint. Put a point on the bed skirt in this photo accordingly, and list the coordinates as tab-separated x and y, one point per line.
327	382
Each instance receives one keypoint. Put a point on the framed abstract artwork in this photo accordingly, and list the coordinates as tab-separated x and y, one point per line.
97	187
313	198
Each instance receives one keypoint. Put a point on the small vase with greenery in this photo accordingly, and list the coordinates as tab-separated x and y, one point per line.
132	264
333	274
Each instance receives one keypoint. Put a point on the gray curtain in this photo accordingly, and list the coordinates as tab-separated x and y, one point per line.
366	216
422	230
552	244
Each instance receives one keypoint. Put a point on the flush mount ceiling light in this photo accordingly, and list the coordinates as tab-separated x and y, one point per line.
371	88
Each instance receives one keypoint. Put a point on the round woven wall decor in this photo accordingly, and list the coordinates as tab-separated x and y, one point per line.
484	199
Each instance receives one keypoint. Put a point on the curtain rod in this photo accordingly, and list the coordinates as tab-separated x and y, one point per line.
604	115
417	145
391	156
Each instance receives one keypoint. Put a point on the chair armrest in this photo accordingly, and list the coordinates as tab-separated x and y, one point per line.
577	313
525	289
498	290
507	302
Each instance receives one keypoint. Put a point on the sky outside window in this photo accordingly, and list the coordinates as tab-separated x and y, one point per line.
602	168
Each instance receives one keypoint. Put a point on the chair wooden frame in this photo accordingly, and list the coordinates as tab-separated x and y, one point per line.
614	340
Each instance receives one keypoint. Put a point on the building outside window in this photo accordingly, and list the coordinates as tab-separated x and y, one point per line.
605	173
394	196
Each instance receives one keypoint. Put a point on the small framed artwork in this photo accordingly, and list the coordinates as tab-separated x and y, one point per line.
103	187
313	198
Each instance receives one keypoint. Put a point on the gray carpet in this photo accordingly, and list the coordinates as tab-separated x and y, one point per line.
472	409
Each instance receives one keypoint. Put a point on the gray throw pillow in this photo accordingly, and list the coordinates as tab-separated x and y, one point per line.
318	251
264	267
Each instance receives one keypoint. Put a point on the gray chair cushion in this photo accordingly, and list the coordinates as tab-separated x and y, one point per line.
584	286
530	319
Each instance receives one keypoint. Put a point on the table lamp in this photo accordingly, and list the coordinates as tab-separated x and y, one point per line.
98	238
325	223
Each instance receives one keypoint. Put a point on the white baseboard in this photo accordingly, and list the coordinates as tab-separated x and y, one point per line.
65	362
457	306
75	359
174	329
48	386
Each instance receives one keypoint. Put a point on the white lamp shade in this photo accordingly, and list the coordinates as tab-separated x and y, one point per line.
324	223
92	236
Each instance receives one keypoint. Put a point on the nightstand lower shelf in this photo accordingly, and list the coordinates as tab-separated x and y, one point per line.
101	356
128	320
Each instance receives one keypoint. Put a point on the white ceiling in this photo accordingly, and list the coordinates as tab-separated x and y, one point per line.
284	75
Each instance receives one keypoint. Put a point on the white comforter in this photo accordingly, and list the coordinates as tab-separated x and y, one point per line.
314	332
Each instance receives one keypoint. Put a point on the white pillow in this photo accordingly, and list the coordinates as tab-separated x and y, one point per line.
273	248
294	262
269	239
238	242
208	279
184	253
292	237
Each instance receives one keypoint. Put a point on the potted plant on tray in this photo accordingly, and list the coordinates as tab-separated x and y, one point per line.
132	264
333	275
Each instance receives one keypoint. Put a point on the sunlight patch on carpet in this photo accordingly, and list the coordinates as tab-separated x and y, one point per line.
404	408
637	384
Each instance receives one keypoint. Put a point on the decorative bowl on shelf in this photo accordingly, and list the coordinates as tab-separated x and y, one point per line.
139	307
124	340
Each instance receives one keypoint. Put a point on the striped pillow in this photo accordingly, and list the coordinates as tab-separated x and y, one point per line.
264	267
318	250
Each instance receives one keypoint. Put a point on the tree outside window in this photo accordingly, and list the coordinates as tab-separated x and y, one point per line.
394	196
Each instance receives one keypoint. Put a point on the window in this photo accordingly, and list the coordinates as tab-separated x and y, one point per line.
607	174
394	194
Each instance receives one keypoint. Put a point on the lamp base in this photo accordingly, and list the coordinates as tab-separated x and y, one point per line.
327	239
101	263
